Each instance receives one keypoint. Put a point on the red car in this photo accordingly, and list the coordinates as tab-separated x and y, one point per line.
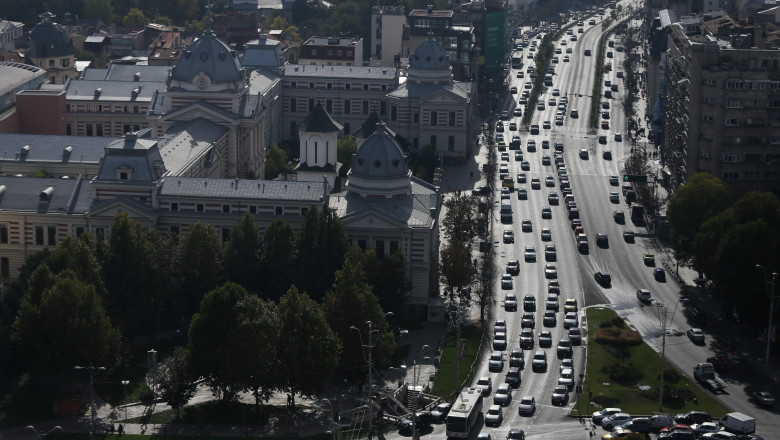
719	362
677	427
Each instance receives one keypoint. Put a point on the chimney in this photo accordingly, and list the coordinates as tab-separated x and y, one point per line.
430	9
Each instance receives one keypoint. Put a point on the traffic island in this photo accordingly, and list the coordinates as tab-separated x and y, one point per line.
624	371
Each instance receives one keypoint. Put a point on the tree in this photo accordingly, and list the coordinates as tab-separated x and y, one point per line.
101	9
199	266
65	326
175	383
257	341
277	22
242	253
278	257
387	276
460	221
275	162
347	147
352	303
456	268
135	17
308	349
702	197
426	163
213	337
320	249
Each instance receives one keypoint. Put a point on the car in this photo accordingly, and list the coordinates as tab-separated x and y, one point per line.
513	377
528	320
510	302
509	236
422	420
521	177
546	234
583	153
546	125
527	225
518	111
519	158
512	126
619	216
659	274
576	223
546	212
564	348
549	319
554	287
602	240
513	267
553	199
616	434
618	137
505	156
696	314
696	335
499	326
705	427
615	421
549	181
515	434
526	339
530	253
614	198
529	303
763	398
505	115
719	435
628	236
550	271
648	258
639	424
603	140
643	295
516	358
603	278
503	395
494	416
607	154
613	180
598	416
552	102
506	282
540	106
527	405
496	362
569	50
566	59
535	127
587	52
693	417
539	362
570	305
513	90
719	362
499	341
522	194
440	411
546	160
575	335
485	385
570	320
525	165
560	395
550	254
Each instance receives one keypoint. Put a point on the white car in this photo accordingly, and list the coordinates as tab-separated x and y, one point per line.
486	385
506	281
527	405
615	421
550	271
570	320
494	416
706	427
720	435
509	236
503	395
598	416
643	295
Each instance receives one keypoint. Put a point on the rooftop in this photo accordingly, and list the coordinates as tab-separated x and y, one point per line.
242	189
52	148
359	72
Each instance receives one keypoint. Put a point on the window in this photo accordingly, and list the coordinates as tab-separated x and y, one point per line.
225	235
433	142
304	211
311	85
39	235
89	129
393	113
362	244
348	86
346	106
732	122
347	128
705	154
293	85
451	119
365	87
253	209
5	269
329	105
79	231
123	175
174	206
365	107
731	158
733	85
99	129
730	175
451	143
69	129
380	249
278	210
384	87
393	246
709	82
51	231
293	105
174	230
199	207
126	128
311	104
330	86
434	118
226	209
733	103
293	128
416	118
51	63
4	234
64	62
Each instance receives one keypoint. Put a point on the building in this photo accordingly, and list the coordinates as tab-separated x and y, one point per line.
319	135
456	38
10	32
264	53
721	108
52	50
386	209
389	36
15	77
331	51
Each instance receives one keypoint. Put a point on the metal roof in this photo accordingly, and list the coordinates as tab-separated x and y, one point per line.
413	210
23	194
333	72
127	72
187	141
242	189
87	90
13	75
50	148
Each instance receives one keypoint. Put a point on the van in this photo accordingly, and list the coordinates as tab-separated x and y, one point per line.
738	423
506	211
660	421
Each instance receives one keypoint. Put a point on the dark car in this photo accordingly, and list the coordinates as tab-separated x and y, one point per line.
696	314
516	358
693	417
619	216
439	414
560	395
423	421
529	303
677	435
603	278
513	377
659	274
515	434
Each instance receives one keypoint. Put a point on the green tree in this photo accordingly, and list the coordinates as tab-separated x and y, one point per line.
101	9
426	163
242	253
352	303
257	365
702	197
308	349
213	340
64	326
456	267
135	17
175	383
275	162
320	249
347	147
187	10
387	276
278	258
200	265
460	221
277	22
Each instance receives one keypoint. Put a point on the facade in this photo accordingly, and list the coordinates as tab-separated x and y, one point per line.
722	108
319	135
52	50
456	38
10	32
331	51
389	36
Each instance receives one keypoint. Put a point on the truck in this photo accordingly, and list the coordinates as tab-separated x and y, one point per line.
637	213
506	211
738	423
705	374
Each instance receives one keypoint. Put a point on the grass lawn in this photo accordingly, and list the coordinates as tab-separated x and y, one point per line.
444	384
630	398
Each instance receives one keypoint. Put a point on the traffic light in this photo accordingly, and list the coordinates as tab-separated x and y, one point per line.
634	178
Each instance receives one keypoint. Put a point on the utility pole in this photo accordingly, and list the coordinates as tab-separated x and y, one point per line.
662	318
93	410
370	348
770	291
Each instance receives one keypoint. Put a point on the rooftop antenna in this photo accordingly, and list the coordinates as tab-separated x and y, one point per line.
208	21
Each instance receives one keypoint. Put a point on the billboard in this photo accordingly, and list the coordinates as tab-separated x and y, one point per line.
496	41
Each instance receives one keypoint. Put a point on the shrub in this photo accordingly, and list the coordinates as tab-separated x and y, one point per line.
617	337
605	401
626	375
671	375
604	324
618	322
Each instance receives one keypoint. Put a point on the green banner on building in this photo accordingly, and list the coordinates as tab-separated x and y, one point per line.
496	41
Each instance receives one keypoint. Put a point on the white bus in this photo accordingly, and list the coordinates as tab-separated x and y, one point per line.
464	413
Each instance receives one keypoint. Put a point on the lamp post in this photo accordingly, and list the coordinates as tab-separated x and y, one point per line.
42	435
662	319
332	419
770	291
92	408
416	376
370	347
124	384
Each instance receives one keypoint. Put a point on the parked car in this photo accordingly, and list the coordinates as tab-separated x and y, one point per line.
639	424
422	421
615	420
598	416
439	413
693	417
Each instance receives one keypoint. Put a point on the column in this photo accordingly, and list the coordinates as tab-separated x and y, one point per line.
232	153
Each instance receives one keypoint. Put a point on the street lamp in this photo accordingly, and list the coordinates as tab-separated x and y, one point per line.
770	291
662	318
416	376
92	408
370	347
332	419
124	384
42	435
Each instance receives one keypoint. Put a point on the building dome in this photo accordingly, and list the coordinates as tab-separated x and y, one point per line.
379	167
211	57
429	55
49	40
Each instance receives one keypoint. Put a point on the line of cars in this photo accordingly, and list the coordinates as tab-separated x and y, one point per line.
685	426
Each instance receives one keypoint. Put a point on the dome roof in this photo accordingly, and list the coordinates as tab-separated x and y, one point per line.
48	40
429	55
379	157
210	56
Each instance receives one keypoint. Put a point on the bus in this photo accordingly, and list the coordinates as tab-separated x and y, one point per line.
517	62
465	413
